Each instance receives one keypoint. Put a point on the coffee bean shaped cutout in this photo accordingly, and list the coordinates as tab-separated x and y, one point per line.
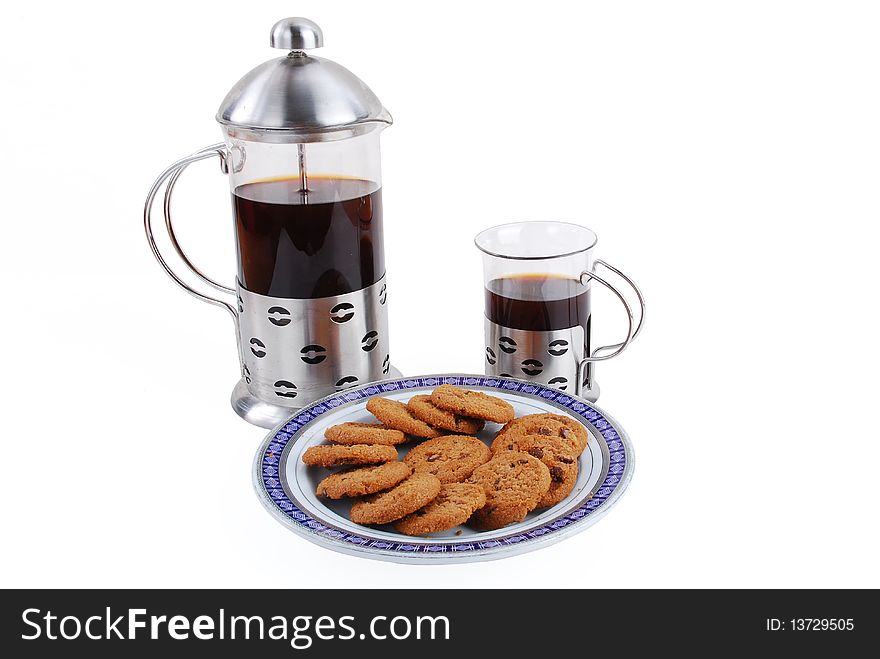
383	293
505	375
258	348
386	364
532	367
560	383
506	344
240	305
247	374
279	316
370	341
347	381
490	355
313	354
285	389
558	347
342	312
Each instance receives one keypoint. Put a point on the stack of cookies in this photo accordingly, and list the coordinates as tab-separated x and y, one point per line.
450	477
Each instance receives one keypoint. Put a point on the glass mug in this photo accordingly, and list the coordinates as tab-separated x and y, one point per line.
537	278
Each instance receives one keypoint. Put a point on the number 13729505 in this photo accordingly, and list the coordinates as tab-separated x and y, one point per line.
810	624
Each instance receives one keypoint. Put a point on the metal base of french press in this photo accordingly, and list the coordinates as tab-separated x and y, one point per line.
267	415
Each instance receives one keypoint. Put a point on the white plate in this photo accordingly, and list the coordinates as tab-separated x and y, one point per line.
286	486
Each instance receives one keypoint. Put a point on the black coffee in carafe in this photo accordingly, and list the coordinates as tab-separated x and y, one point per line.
324	243
538	302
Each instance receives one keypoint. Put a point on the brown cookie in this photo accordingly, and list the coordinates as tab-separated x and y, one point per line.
363	433
407	497
422	408
453	506
474	404
550	425
365	480
451	458
357	454
394	414
561	459
514	483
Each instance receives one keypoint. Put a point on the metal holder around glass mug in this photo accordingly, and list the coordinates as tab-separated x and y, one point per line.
533	344
286	103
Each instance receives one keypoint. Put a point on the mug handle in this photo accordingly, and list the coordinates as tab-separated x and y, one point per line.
585	370
171	174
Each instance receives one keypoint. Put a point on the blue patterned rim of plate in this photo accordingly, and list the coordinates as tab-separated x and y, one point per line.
269	463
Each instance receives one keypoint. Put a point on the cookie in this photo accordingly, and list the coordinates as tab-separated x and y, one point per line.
514	483
453	506
401	500
550	425
357	454
474	404
561	460
363	433
394	414
422	408
451	458
365	480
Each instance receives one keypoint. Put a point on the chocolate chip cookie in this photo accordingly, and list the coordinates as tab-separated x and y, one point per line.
401	500
451	458
365	480
514	483
422	408
549	425
363	433
474	404
394	414
357	454
561	459
455	503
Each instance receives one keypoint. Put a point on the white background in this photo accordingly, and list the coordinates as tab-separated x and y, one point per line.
725	152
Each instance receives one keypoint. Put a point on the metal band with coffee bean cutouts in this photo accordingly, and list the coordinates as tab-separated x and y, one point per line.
296	351
550	357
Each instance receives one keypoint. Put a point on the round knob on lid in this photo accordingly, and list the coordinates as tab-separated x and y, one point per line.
296	33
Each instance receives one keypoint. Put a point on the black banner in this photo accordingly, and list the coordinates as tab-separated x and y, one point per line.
279	623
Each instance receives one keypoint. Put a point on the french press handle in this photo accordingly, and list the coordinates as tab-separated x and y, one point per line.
585	375
171	174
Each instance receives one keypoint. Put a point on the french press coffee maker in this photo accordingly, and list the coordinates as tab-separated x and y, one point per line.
301	150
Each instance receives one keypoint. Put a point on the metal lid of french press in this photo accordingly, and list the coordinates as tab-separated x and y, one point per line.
301	96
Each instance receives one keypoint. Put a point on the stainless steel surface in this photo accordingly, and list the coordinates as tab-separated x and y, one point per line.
587	276
639	295
550	358
256	411
296	351
268	415
174	170
296	33
169	191
300	98
586	379
303	175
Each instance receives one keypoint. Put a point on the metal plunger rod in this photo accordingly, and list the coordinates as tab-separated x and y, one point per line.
303	177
